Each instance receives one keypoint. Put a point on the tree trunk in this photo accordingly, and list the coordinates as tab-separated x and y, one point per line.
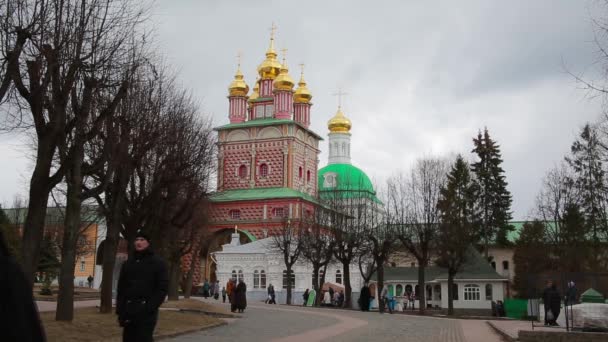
190	277
33	227
450	294
174	275
380	272
315	283
288	299
65	298
110	248
348	290
421	285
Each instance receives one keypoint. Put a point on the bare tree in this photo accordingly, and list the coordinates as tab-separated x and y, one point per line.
414	207
59	56
317	245
288	243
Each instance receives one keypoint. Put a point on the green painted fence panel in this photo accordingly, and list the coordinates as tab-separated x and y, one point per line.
516	308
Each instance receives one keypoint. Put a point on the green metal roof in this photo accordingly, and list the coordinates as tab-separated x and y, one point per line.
475	268
258	194
351	182
266	122
592	296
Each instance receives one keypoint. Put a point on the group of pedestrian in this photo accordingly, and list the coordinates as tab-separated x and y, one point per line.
211	289
237	295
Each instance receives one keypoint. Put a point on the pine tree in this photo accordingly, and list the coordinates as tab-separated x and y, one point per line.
493	206
457	223
11	235
589	179
573	254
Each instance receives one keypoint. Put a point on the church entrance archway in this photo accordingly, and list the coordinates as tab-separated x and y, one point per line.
219	238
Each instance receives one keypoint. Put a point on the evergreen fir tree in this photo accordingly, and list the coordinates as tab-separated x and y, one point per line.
493	207
11	235
573	255
457	226
589	179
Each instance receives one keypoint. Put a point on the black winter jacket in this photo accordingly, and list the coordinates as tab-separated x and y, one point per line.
142	286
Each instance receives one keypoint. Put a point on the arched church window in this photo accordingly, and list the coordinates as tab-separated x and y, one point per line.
344	148
408	289
233	275
240	275
308	176
300	172
256	279
399	289
262	279
264	170
488	291
235	214
243	171
338	277
505	265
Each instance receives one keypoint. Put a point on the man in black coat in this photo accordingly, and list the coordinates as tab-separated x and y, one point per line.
142	288
19	320
364	298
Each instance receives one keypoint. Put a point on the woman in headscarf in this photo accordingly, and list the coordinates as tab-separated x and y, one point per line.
240	297
364	298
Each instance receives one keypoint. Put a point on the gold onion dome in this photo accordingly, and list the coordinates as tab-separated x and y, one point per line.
238	87
256	91
284	81
302	94
339	123
270	67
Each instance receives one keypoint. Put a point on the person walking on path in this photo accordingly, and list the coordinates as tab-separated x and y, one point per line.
20	320
142	288
223	294
216	290
240	297
364	298
385	299
305	297
90	281
331	296
271	294
230	290
206	289
555	303
547	301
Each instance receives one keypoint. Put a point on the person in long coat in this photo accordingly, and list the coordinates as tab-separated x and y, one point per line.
230	290
555	301
364	298
240	297
20	320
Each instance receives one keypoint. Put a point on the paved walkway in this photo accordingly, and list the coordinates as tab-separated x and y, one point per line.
281	323
44	306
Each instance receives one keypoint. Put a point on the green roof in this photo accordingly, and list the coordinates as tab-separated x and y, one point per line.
265	122
475	268
351	182
258	194
592	296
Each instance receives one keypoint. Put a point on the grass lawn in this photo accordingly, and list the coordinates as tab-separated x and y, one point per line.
90	325
193	304
80	293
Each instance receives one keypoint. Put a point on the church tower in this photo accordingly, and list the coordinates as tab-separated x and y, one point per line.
267	155
339	138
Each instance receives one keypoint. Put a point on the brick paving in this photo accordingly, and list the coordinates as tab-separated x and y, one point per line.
281	323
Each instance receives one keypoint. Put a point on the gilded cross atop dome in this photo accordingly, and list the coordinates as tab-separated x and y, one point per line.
238	87
339	123
270	67
302	94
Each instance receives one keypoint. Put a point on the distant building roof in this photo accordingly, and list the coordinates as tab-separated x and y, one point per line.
259	193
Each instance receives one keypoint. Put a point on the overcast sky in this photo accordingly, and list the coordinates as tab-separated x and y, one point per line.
422	77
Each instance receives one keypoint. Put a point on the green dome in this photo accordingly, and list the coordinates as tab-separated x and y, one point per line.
348	180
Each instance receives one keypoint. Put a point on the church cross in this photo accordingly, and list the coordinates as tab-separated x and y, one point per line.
239	56
301	69
339	94
284	52
273	29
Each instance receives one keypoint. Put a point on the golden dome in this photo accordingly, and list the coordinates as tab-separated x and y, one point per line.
270	67
339	123
238	87
302	94
284	81
255	94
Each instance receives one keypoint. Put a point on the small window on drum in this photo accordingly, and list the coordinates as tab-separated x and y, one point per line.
264	170
235	214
